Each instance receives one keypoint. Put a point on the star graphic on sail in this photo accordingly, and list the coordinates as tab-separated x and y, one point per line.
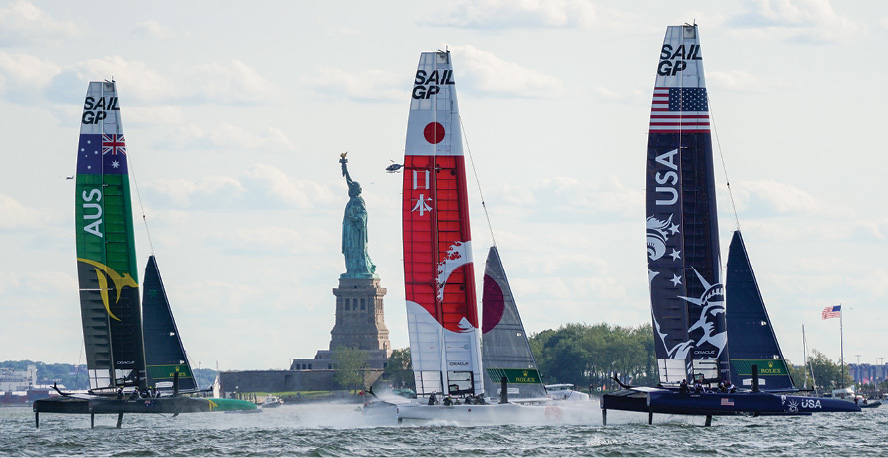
676	280
658	235
675	254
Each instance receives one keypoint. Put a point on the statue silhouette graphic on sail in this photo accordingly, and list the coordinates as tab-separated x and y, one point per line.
354	231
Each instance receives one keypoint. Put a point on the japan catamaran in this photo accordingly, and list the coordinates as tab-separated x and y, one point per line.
439	278
698	338
135	358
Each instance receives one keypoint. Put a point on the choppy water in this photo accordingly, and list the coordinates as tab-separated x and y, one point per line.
339	430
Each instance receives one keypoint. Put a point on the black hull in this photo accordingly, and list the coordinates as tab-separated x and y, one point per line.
665	401
178	404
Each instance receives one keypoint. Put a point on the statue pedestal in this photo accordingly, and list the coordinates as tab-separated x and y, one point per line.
360	323
360	319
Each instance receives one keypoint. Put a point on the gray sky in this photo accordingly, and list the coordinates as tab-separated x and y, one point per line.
235	115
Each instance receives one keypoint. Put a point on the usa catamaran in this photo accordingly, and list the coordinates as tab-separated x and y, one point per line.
135	358
694	332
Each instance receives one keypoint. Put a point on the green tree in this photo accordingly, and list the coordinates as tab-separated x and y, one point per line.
588	354
349	363
399	370
828	373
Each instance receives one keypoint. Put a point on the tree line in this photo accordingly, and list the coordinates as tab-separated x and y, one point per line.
74	376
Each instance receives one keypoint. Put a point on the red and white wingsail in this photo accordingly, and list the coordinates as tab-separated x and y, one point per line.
439	278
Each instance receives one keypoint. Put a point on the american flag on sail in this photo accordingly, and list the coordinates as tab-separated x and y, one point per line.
677	109
832	312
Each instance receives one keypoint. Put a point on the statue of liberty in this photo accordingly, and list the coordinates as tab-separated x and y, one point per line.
354	231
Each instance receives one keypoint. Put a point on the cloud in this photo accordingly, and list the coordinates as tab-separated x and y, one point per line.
16	216
22	23
363	86
231	83
737	80
152	30
227	136
22	76
137	81
569	199
209	191
504	14
491	76
291	193
259	187
770	197
803	21
274	241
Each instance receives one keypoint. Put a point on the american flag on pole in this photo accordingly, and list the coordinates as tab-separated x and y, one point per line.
832	312
679	109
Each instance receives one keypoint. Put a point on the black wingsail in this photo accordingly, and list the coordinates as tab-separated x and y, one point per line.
687	296
164	353
750	334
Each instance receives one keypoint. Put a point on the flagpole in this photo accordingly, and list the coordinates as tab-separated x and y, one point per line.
841	346
805	358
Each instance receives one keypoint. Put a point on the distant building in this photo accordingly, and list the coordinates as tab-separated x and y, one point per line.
13	380
20	387
868	373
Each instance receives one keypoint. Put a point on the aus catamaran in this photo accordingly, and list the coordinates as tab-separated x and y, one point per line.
135	358
697	338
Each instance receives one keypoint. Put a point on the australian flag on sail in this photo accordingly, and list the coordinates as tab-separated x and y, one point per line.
99	154
679	110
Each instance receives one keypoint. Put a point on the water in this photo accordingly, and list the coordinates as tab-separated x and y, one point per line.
339	430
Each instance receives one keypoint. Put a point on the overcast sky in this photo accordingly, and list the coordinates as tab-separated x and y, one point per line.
235	114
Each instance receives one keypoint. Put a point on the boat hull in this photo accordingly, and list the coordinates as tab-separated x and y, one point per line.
509	413
666	401
173	404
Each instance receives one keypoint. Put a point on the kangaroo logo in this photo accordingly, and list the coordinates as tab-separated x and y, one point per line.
104	272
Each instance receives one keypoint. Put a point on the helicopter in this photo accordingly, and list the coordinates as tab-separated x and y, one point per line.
395	167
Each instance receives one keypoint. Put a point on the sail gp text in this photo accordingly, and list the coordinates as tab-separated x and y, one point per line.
669	66
96	110
425	85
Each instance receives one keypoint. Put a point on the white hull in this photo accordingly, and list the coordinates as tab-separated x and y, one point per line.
552	413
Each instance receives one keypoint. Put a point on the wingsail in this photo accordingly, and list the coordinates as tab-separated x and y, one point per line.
442	314
751	336
506	350
109	288
687	295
